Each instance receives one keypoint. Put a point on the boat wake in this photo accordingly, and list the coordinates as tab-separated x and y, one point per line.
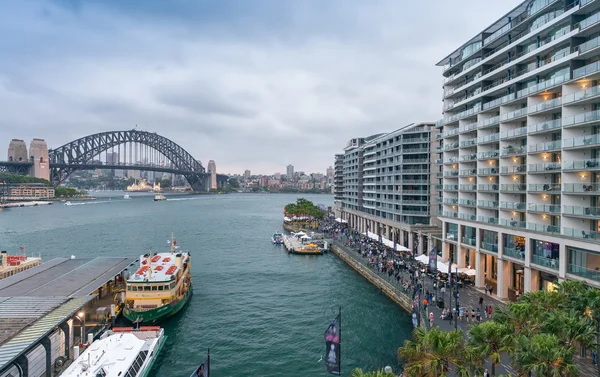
86	203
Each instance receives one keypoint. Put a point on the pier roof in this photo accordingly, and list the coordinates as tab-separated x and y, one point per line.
64	277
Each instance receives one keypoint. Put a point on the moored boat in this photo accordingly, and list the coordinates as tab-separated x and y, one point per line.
122	352
277	238
159	288
159	197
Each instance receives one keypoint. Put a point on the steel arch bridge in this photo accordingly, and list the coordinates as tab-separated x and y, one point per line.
79	154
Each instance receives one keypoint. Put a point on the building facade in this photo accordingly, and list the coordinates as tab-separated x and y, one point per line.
289	172
338	184
388	185
30	191
520	149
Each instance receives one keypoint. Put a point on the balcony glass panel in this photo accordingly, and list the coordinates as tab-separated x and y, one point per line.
554	229
591	140
489	239
468	143
451	187
582	118
488	220
450	214
468	172
582	211
582	187
584	272
545	126
513	223
510	150
469	241
489	154
468	217
544	187
514	253
545	254
543	85
487	203
468	157
581	95
513	169
487	171
468	202
514	246
546	262
450	201
468	187
513	206
488	138
582	234
551	166
452	231
584	263
545	105
513	133
487	187
546	208
514	114
468	127
582	164
545	147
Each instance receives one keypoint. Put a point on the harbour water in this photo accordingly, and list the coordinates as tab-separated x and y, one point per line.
260	311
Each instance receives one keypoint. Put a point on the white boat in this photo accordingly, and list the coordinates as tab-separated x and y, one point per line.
277	238
122	352
68	203
126	196
159	197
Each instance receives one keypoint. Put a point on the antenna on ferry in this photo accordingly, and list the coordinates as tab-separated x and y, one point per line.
173	243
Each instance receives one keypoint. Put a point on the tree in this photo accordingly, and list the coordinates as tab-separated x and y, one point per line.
233	182
434	353
303	207
544	356
488	339
358	372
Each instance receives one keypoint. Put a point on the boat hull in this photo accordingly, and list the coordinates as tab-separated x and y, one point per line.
155	354
154	316
312	252
276	242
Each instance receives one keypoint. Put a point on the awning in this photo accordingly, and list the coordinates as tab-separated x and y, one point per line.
422	258
299	234
286	219
386	242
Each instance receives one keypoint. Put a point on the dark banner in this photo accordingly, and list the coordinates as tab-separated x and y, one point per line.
433	260
332	346
395	240
416	314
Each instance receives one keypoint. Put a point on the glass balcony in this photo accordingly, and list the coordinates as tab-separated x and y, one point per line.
554	229
513	151
582	234
546	262
488	204
586	141
513	223
544	85
586	70
488	139
488	171
453	236
451	160
489	122
578	165
545	105
487	187
450	146
468	202
488	155
467	128
514	114
582	95
468	187
489	246
545	126
450	214
488	220
579	211
582	188
513	206
590	116
450	187
468	172
514	253
584	272
544	187
469	241
468	157
544	168
468	143
544	208
545	147
450	201
450	174
513	169
517	132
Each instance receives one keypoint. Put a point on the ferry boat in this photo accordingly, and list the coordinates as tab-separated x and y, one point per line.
277	238
126	196
13	264
159	197
159	288
122	352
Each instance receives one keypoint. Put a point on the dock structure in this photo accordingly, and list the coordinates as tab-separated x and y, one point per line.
42	308
295	245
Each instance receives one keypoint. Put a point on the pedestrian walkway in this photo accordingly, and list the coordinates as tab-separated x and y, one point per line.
469	298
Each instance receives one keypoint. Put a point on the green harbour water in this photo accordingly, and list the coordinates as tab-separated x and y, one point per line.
261	311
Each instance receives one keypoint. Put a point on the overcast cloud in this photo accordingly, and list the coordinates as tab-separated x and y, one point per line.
252	84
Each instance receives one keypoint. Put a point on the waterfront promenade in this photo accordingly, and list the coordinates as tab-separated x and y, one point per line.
469	298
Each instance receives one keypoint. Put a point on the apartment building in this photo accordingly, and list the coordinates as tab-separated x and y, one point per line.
520	147
388	185
338	184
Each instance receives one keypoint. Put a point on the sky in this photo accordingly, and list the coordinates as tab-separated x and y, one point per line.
251	84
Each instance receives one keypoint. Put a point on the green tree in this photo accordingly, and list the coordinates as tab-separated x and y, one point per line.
543	355
233	182
488	339
358	372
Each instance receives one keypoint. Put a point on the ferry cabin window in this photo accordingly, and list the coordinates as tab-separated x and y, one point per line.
173	285
161	287
154	287
137	364
147	288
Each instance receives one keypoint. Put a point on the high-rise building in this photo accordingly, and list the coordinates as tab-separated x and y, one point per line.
289	172
330	172
247	175
338	187
387	185
521	149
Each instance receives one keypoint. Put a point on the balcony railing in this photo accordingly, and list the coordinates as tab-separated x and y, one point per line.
512	151
581	95
487	171
489	122
586	70
467	202
545	208
450	174
513	206
546	262
469	241
513	169
488	138
488	204
582	118
467	127
487	187
468	187
545	105
493	247
582	165
468	157
513	133
586	141
514	114
584	272
582	211
468	143
488	220
545	147
582	234
514	253
489	154
544	187
545	126
554	229
582	188
450	214
513	223
548	167
451	187
468	172
450	201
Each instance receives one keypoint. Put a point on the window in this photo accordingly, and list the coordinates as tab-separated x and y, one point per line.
147	288
161	287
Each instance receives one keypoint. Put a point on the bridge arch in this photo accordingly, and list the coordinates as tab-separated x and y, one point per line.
75	155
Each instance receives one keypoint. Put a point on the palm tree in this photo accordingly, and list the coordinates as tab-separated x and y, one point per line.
570	327
433	353
543	356
488	339
358	372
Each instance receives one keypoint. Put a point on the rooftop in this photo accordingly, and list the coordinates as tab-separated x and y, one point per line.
64	277
162	266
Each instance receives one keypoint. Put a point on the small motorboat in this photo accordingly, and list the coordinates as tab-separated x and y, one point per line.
68	203
159	197
126	196
277	238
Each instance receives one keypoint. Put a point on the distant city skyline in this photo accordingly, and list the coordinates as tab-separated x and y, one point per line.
250	87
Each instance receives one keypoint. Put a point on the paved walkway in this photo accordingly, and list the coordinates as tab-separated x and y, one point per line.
469	297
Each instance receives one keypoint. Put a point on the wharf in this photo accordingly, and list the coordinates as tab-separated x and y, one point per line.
294	245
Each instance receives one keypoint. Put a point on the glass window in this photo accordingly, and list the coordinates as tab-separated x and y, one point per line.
536	5
161	287
147	288
154	287
470	49
489	240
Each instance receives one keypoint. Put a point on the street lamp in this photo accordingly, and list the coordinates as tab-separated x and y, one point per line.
457	306
81	317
